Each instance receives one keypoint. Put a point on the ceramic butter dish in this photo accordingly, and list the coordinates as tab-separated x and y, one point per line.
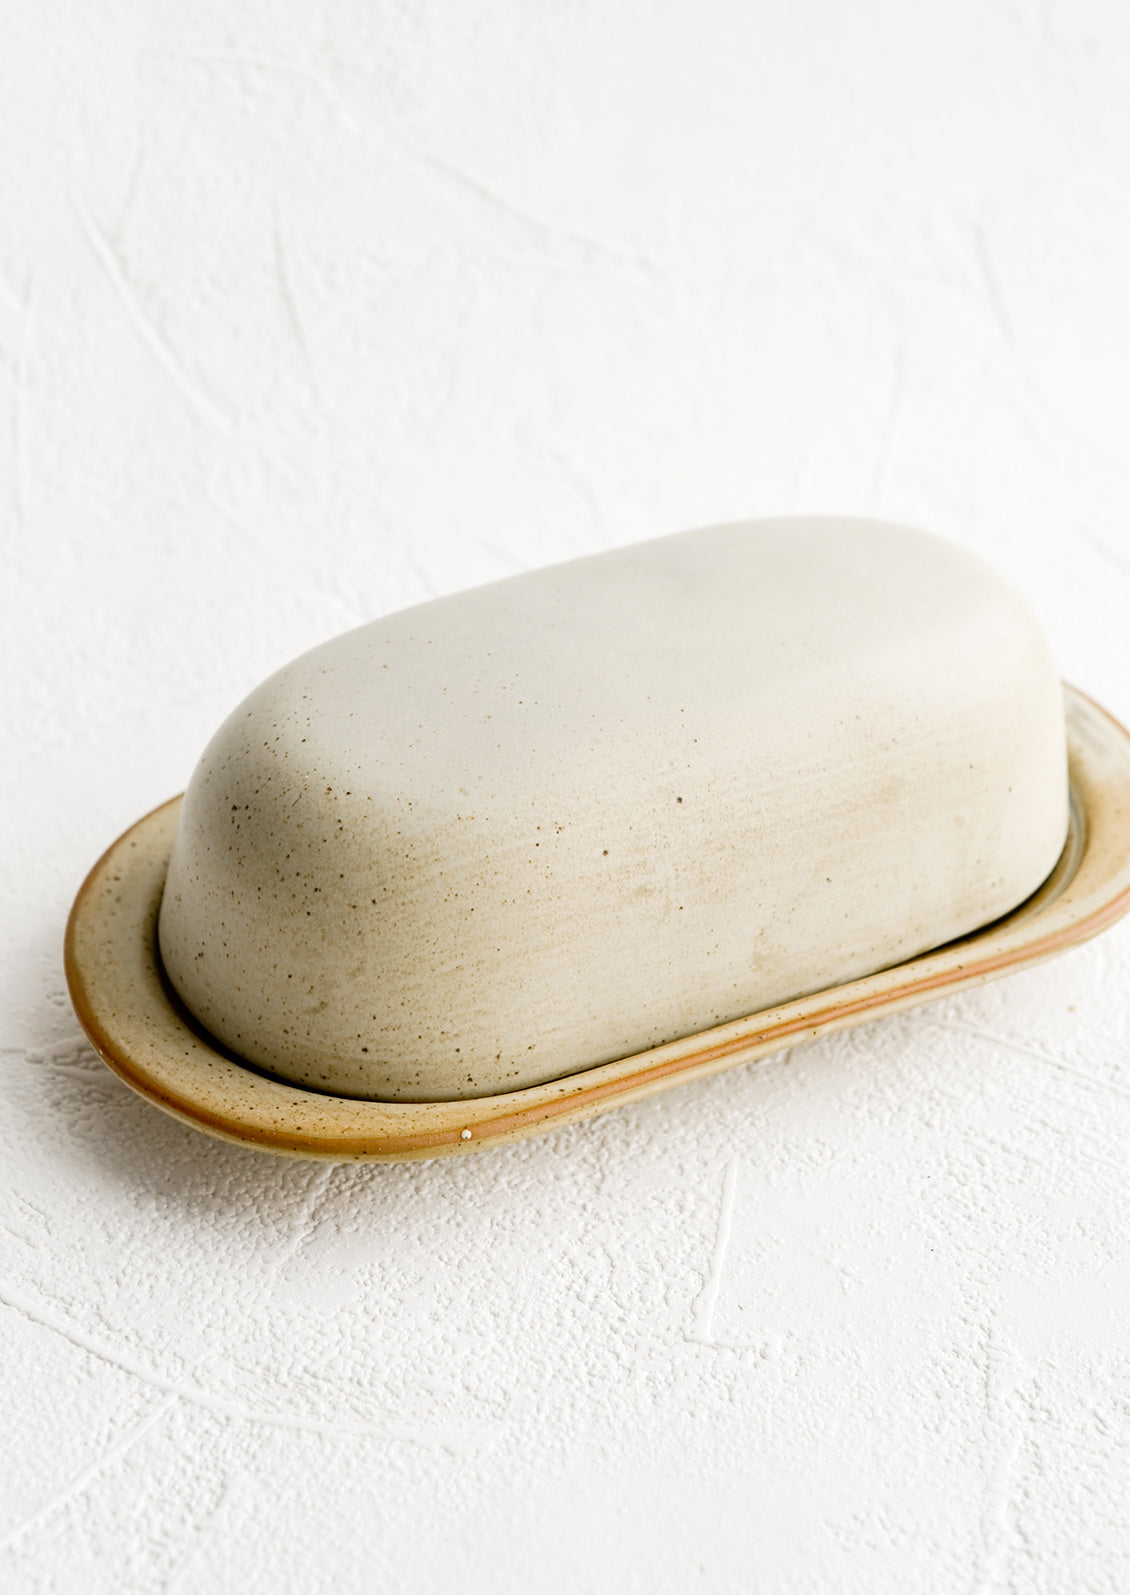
478	852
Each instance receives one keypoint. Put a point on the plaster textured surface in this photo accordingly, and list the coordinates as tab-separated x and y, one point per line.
311	312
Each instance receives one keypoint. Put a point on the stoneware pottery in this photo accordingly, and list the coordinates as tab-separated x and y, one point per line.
514	856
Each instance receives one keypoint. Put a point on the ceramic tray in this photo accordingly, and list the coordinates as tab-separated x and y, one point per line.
140	1029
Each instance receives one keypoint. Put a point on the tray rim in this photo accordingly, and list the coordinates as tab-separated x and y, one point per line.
142	1033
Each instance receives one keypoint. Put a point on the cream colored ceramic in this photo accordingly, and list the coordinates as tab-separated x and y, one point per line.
500	838
144	1034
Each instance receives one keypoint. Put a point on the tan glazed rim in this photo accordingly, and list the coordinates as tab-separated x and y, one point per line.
142	1032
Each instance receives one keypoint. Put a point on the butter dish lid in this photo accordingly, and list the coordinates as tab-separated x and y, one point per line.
505	836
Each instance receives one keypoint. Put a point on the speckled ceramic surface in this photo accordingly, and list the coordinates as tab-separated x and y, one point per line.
490	841
143	1033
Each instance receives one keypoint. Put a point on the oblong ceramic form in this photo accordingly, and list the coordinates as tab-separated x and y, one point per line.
138	1026
506	836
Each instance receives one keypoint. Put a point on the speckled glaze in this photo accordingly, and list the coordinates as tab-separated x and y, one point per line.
505	836
140	1029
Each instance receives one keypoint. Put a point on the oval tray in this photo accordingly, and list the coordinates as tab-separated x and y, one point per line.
141	1030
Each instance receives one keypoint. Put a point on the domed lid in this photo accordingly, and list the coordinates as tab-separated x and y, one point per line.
509	835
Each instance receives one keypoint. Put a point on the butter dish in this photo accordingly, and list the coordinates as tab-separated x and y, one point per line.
516	855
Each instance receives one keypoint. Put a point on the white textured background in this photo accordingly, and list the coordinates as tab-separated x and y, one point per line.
311	311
